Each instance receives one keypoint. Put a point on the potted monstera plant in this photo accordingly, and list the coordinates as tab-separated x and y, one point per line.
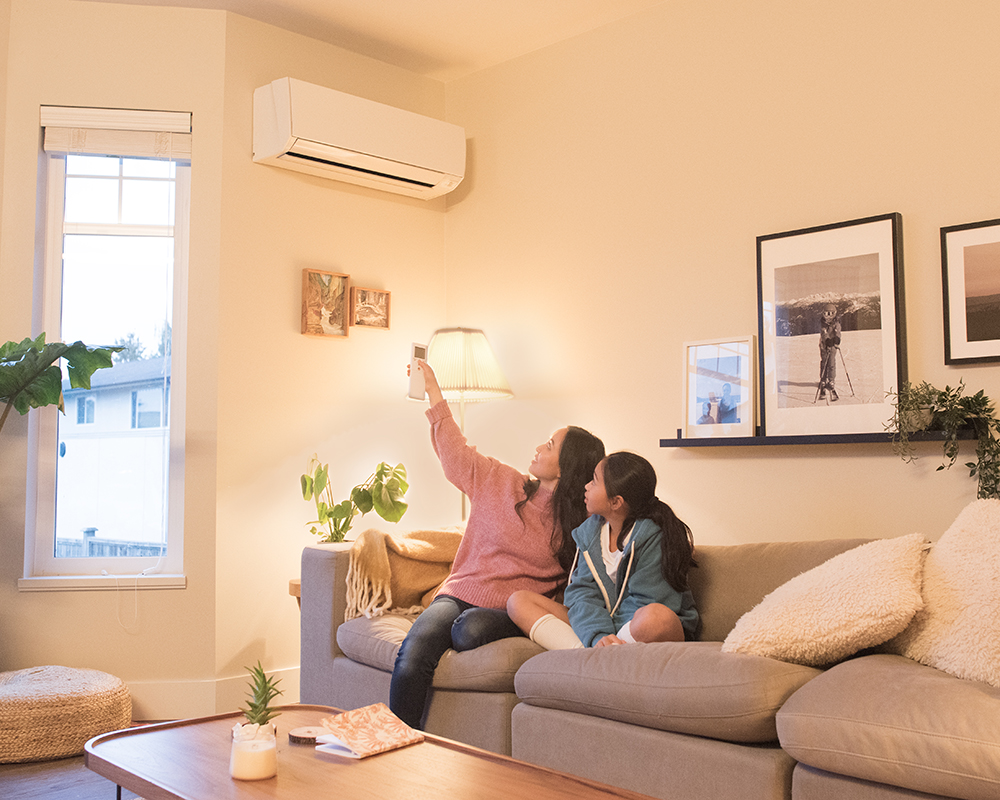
382	492
953	413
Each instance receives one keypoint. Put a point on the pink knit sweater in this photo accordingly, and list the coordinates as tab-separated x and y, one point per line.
499	553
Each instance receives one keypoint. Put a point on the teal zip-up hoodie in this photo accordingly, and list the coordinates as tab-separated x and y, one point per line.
599	606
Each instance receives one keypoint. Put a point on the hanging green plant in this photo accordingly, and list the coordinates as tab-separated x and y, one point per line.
951	411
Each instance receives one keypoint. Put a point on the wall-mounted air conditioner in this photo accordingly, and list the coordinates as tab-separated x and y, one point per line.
324	132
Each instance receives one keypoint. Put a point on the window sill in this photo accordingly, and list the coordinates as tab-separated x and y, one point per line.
61	583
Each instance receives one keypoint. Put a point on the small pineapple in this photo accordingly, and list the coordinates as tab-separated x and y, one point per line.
263	690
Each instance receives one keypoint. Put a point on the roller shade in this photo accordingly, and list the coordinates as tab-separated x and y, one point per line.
125	132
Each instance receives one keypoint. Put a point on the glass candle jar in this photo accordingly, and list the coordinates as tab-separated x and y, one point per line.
254	754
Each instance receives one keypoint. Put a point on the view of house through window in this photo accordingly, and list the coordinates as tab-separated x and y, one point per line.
117	289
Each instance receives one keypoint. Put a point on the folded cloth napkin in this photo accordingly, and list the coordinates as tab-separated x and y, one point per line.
398	572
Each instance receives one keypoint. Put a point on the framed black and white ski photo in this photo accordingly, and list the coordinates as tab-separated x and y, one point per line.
830	327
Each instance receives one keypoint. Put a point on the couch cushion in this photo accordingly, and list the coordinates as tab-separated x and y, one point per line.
855	600
374	641
685	687
489	668
731	579
958	630
887	719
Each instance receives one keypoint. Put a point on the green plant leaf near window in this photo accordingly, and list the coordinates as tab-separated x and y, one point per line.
382	492
949	411
31	378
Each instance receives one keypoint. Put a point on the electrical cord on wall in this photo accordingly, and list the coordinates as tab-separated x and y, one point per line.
118	598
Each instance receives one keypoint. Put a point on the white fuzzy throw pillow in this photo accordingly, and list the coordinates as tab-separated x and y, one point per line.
958	630
858	599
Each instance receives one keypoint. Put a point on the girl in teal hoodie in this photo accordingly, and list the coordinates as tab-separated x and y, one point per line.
629	580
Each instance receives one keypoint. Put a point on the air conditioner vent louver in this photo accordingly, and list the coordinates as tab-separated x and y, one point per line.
324	132
316	160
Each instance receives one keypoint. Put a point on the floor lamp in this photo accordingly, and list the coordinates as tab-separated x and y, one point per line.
466	370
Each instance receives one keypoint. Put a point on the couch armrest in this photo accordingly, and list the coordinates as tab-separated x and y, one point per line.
324	601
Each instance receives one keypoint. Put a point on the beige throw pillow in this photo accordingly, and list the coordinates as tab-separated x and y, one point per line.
858	599
958	630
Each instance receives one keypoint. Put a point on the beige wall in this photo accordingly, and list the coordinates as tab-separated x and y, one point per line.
261	397
284	396
619	181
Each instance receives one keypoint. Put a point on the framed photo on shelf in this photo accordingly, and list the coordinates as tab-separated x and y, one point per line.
325	301
719	388
970	266
369	308
830	327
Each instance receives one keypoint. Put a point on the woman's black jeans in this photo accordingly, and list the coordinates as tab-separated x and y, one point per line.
446	622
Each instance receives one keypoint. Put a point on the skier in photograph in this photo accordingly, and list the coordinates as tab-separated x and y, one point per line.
829	341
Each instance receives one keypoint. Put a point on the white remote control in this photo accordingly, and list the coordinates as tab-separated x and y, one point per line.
417	351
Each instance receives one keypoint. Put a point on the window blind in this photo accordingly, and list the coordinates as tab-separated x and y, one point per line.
126	132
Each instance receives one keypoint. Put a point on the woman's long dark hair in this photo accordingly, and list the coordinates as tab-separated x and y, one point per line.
633	478
579	455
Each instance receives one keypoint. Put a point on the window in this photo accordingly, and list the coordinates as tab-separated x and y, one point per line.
108	494
85	411
147	408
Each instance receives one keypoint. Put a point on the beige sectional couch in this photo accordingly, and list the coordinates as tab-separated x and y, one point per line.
686	720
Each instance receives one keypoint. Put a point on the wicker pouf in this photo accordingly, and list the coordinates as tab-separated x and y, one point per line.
51	712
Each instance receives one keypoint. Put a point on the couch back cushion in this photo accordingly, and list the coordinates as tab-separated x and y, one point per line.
731	579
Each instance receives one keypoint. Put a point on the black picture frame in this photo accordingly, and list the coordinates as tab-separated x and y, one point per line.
970	273
840	387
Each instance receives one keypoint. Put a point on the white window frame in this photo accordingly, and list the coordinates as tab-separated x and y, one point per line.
123	133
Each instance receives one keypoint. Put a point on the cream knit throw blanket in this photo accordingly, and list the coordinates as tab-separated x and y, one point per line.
398	572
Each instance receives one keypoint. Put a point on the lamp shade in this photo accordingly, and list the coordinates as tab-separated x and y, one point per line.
465	366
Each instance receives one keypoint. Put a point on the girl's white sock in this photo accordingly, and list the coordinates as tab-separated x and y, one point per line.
553	634
625	634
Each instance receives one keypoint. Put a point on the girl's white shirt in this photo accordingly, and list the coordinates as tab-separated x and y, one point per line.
612	558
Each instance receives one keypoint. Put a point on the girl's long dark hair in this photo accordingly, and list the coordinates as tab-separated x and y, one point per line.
579	455
633	478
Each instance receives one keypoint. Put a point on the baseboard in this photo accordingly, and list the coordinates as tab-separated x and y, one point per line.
163	700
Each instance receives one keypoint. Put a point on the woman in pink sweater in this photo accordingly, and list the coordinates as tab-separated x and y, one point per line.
518	536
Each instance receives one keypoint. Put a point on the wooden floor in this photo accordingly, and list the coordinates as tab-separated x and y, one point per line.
63	779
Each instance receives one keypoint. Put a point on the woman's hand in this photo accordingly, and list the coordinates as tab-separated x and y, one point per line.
430	382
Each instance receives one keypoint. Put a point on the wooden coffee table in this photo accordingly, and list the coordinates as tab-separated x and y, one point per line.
189	760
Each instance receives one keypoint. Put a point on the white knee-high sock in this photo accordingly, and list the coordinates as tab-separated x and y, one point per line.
553	634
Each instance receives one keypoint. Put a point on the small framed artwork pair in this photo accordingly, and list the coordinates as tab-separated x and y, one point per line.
331	306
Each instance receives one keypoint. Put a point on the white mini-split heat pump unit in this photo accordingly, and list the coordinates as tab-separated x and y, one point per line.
324	132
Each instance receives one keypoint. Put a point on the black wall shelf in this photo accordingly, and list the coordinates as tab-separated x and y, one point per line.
821	438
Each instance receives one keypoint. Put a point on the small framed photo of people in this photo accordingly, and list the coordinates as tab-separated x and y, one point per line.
325	301
370	308
970	264
830	327
719	388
